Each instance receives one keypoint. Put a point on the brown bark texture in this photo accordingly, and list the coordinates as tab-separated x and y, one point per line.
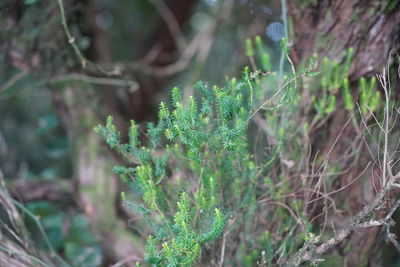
329	28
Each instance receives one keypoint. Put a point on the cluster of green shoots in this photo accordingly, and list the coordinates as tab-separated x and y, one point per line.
194	175
193	168
193	171
335	79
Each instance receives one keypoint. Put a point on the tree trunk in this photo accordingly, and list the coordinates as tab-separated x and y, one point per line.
96	184
372	28
329	28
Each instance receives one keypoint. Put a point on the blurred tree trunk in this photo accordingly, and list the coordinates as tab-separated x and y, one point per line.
80	109
96	184
329	28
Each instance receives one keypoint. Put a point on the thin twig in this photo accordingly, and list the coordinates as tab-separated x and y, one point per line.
13	80
126	260
72	41
38	224
133	86
70	38
11	252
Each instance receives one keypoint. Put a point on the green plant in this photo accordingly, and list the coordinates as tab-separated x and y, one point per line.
199	150
206	148
198	177
334	75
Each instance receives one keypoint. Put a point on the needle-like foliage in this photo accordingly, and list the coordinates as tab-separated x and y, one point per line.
201	169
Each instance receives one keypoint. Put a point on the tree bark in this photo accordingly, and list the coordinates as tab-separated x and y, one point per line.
96	183
329	28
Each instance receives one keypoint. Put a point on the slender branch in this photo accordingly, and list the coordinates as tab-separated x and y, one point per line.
312	252
133	86
14	79
15	252
297	76
383	81
126	260
71	39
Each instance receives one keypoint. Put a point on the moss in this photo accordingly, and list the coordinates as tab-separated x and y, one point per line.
391	6
355	17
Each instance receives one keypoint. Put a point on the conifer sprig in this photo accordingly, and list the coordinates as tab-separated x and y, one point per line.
195	169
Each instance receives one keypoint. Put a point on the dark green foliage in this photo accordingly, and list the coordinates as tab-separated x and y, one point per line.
207	147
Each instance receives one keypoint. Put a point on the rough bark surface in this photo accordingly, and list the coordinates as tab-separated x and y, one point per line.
372	28
329	28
